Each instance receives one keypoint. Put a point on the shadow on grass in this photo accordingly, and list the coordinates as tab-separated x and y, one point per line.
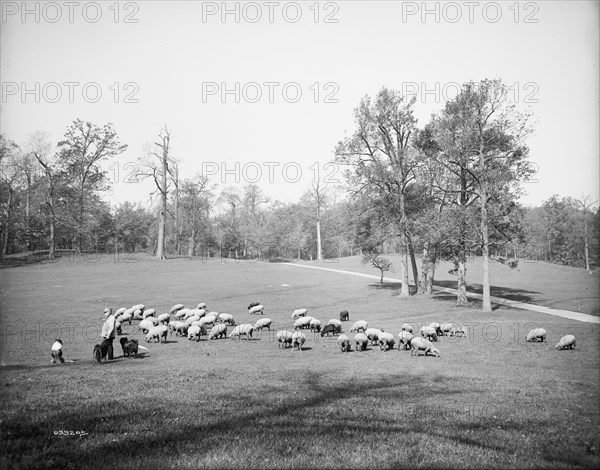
127	436
519	295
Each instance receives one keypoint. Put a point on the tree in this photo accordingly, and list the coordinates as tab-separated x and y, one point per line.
384	162
481	139
194	203
9	174
156	163
585	205
132	224
86	145
377	261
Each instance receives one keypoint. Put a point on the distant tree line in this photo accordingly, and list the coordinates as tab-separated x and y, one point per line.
444	191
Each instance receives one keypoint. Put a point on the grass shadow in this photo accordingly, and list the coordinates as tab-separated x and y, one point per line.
519	295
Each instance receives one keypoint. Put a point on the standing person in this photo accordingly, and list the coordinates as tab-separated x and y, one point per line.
108	330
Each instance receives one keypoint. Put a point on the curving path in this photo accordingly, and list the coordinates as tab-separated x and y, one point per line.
497	300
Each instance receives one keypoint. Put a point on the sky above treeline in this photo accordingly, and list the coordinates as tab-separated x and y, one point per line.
261	92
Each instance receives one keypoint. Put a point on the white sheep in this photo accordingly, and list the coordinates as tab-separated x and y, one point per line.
361	341
302	322
386	341
192	319
137	314
299	312
256	310
336	322
445	328
164	318
404	339
315	325
126	317
566	342
421	344
189	313
157	332
536	334
154	320
148	313
437	327
139	307
344	343
200	312
373	335
208	319
245	329
218	331
172	326
407	327
181	328
263	323
176	308
129	311
194	333
145	326
284	338
226	318
201	305
359	325
298	339
429	332
181	313
458	331
120	311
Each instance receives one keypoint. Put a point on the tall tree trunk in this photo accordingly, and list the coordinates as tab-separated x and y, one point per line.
4	249
51	241
319	247
487	302
162	221
192	245
405	289
461	296
585	235
427	270
413	261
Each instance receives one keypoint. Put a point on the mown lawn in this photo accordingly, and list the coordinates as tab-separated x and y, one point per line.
491	400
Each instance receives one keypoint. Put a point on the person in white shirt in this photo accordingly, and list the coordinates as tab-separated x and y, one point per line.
108	330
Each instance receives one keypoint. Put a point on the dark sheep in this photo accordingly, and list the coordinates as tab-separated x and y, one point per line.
344	315
329	329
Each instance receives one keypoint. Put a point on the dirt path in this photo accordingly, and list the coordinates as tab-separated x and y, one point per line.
497	300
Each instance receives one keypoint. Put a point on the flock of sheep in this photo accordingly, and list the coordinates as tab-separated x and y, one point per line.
194	323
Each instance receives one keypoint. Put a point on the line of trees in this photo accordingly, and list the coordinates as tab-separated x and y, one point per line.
444	191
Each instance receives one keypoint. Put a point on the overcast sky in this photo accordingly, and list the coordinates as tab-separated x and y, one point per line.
263	91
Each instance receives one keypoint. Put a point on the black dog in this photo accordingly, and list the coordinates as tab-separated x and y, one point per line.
100	351
130	346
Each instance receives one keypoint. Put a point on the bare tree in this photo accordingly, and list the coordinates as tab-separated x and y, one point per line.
156	164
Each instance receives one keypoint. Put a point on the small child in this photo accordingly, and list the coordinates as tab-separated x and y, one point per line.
57	352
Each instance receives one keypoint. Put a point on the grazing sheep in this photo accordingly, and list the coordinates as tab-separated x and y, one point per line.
458	331
176	308
129	346
201	305
226	318
137	314
263	323
373	335
359	325
445	329
404	339
329	328
429	333
189	313
298	339
194	333
361	341
181	313
253	304
145	326
407	327
201	312
192	319
148	313
337	323
139	307
120	311
245	329
299	312
257	310
386	341
302	323
284	338
218	331
172	326
129	311
421	344
157	332
164	318
344	343
315	325
566	342
155	321
208	319
535	335
126	317
344	315
437	327
181	329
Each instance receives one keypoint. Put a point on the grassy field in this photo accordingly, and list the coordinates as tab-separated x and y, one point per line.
490	401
